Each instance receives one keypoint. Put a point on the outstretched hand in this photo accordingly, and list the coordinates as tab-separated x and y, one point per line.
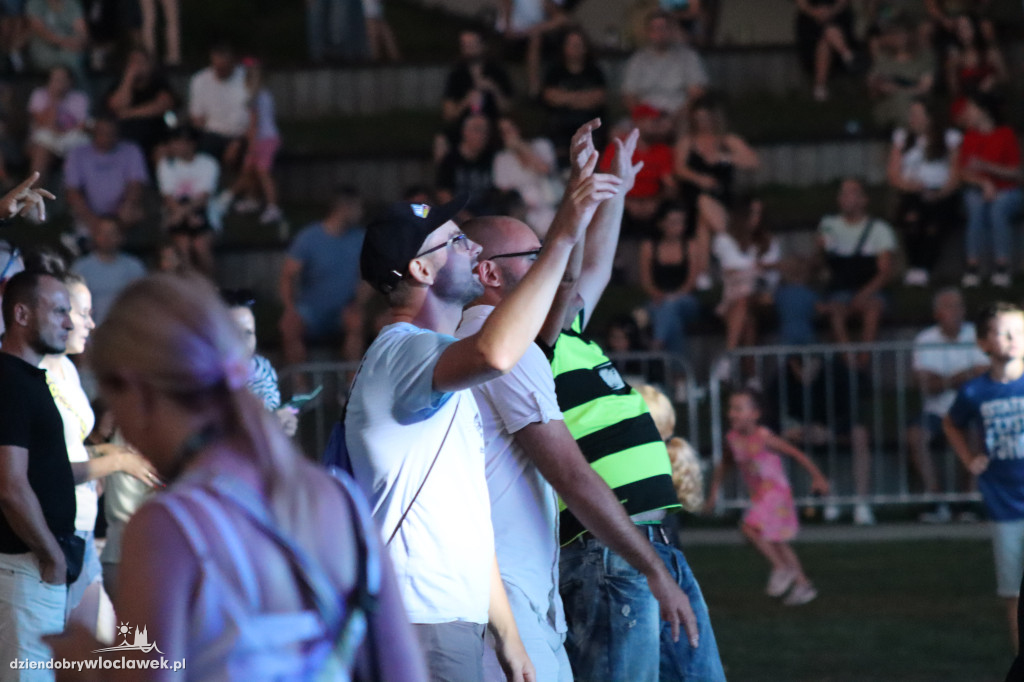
623	166
581	148
25	201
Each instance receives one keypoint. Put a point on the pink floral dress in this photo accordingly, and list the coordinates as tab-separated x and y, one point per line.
772	512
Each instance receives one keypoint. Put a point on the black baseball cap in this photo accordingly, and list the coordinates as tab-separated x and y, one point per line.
395	236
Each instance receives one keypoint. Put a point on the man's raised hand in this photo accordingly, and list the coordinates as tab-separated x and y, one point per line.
623	166
581	148
25	201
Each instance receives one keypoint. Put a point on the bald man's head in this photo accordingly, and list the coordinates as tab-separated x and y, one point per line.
509	249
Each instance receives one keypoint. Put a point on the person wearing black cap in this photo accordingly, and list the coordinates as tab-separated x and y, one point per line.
414	434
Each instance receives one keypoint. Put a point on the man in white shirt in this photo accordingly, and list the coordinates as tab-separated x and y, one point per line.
218	105
858	249
666	74
414	434
532	459
940	372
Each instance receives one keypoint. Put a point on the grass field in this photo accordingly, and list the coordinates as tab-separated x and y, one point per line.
912	611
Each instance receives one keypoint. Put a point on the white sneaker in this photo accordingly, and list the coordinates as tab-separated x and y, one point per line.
863	516
1001	279
721	370
801	594
830	513
704	282
247	205
271	214
970	280
820	93
780	580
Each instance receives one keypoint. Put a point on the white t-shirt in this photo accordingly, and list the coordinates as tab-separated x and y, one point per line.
661	79
395	424
731	257
841	238
79	419
933	174
187	179
946	362
524	506
222	105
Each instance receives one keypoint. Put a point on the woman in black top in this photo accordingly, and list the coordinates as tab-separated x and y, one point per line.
705	161
142	101
668	278
824	28
574	92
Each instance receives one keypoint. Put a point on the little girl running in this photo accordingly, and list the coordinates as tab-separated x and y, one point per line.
770	522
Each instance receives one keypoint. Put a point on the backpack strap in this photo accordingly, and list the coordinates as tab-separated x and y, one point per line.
863	238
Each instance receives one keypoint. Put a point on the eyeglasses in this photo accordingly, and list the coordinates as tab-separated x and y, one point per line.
459	239
528	254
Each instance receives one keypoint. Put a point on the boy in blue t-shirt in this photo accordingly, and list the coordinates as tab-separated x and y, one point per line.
996	400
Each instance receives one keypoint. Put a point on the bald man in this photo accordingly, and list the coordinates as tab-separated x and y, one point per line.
531	459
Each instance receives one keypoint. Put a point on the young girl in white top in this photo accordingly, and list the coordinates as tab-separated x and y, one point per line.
920	169
748	257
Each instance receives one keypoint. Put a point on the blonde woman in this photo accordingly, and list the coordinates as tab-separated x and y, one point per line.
254	564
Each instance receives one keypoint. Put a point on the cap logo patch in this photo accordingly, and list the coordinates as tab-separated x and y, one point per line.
421	210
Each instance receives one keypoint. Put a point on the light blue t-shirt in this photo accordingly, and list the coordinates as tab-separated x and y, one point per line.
999	407
330	275
106	279
419	452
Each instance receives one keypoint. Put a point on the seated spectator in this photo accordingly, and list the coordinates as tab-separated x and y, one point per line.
921	170
705	163
218	106
187	180
940	373
59	35
695	17
974	65
529	168
668	277
172	30
57	120
858	251
262	142
667	74
107	270
142	100
105	178
539	22
824	28
944	14
989	166
476	84
469	166
902	71
574	92
320	288
336	30
655	181
14	34
748	256
262	379
797	305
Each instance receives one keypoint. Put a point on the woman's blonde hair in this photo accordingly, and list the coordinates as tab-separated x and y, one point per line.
174	334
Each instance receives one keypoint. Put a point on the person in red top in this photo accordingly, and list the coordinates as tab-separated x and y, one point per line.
654	181
989	166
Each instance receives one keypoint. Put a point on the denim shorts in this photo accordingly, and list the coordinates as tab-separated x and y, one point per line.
1008	549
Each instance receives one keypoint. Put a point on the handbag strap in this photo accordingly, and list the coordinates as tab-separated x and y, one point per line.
864	238
440	447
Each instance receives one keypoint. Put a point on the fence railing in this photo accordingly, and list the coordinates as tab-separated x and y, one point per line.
672	373
856	410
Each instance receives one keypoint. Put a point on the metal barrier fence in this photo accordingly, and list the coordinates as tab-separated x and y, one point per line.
671	373
856	410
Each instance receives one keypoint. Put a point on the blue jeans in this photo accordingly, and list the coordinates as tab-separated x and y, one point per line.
669	319
615	629
995	217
